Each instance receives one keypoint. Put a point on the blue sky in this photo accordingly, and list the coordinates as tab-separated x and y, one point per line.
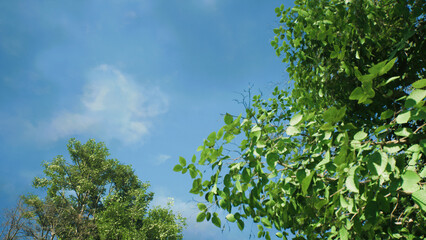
151	79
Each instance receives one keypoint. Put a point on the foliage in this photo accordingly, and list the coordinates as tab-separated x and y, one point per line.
96	198
328	45
343	155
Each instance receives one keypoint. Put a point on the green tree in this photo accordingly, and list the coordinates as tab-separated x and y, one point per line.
343	155
97	198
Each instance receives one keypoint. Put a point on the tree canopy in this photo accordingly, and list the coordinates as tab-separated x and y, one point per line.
96	198
342	155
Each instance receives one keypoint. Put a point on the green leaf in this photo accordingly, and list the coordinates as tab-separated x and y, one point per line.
177	168
387	81
300	175
367	79
193	172
423	173
267	236
352	180
220	133
201	216
361	135
296	119
341	156
306	182
240	224
271	159
420	83
266	222
419	197
201	206
278	234
387	67
238	186
230	217
301	12
334	115
357	94
228	119
403	117
216	220
324	161
228	137
415	97
382	67
321	203
392	148
344	234
223	204
182	161
227	180
386	114
343	202
246	175
291	130
211	139
404	132
377	163
410	181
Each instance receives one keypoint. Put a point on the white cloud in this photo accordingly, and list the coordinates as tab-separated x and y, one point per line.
162	158
112	106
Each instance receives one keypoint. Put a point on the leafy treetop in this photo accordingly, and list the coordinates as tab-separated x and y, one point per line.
97	198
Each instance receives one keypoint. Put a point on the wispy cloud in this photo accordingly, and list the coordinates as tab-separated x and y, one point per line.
162	158
112	106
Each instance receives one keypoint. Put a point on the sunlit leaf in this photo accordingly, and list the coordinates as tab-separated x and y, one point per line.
266	222
403	117
415	97
420	198
296	119
410	181
291	131
420	83
352	180
306	182
230	217
361	135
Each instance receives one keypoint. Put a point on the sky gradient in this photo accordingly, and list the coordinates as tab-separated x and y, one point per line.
151	79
